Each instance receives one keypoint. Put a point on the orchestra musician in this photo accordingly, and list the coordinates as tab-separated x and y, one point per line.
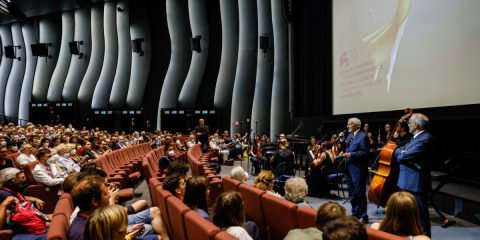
414	159
321	167
356	160
402	134
256	154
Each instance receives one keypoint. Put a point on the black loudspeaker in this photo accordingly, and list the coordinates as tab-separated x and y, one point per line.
9	51
40	50
264	43
195	43
73	47
137	45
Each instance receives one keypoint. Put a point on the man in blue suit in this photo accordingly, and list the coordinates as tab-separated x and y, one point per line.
414	159
356	159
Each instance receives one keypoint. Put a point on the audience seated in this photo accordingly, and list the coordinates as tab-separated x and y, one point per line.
296	190
401	217
229	215
344	228
64	159
265	182
45	172
91	193
110	223
196	195
26	155
4	161
175	184
238	173
326	213
12	182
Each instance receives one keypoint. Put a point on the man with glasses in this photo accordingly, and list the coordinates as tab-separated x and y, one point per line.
4	161
414	159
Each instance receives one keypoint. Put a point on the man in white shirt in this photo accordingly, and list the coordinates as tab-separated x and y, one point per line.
43	173
26	155
64	159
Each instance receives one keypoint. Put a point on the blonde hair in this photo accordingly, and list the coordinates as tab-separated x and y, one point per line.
264	180
401	215
296	189
104	222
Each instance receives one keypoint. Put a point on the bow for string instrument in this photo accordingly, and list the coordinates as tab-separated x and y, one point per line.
385	178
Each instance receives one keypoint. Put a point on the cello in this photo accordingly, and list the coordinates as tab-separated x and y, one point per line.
385	178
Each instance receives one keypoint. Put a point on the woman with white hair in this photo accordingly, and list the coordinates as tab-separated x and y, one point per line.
239	174
296	190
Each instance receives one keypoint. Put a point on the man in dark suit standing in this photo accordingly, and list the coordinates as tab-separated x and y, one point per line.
356	159
202	131
414	159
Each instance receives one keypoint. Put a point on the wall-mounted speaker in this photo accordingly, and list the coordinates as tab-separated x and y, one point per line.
264	43
74	47
40	49
137	46
11	53
195	43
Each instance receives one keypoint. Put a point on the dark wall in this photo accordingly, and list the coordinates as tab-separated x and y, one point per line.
160	58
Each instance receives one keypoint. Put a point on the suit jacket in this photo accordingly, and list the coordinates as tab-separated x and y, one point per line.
414	159
358	147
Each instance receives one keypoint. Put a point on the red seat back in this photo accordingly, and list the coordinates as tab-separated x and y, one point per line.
230	184
176	214
198	227
253	207
306	217
280	215
224	236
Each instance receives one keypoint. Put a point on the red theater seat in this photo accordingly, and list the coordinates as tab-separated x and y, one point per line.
280	215
198	227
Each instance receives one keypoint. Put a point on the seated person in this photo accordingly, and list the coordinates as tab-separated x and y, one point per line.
228	214
283	155
238	173
12	183
64	159
265	182
196	195
296	190
45	171
91	193
179	167
327	212
4	161
175	184
167	158
26	155
401	217
110	222
322	165
345	228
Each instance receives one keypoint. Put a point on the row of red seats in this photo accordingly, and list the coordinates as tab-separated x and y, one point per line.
181	222
200	165
276	216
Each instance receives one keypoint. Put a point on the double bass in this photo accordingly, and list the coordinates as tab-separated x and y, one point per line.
384	181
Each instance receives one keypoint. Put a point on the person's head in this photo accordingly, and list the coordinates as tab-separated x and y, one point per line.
328	212
344	228
170	151
264	180
196	193
417	122
45	156
69	182
88	146
3	151
281	136
179	167
283	144
353	124
107	223
26	149
175	184
12	178
388	127
228	210
296	189
401	215
239	174
201	121
90	193
366	127
62	149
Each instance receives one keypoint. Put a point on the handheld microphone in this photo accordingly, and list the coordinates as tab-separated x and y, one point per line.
341	134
